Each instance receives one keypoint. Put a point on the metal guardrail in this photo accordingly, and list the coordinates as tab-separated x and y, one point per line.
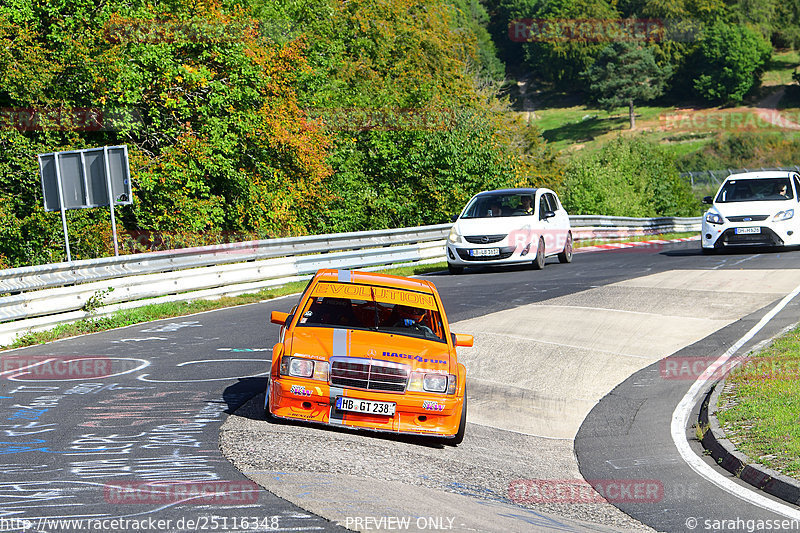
41	296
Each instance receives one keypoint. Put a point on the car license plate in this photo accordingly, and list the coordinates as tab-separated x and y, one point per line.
744	231
365	406
484	252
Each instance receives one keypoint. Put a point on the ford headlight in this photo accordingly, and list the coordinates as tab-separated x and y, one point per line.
783	215
454	236
714	218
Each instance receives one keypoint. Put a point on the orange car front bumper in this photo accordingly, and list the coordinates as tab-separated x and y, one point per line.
415	412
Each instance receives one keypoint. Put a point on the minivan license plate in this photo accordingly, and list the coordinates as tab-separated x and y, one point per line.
484	252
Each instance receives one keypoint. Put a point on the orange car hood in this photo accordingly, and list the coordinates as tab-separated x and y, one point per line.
323	343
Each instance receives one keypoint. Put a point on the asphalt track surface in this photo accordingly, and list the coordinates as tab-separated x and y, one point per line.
627	434
73	444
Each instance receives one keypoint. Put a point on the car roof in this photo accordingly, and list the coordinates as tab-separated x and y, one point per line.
508	191
375	278
761	174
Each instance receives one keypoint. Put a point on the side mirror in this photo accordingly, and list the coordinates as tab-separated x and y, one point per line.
278	318
549	214
708	200
453	218
463	340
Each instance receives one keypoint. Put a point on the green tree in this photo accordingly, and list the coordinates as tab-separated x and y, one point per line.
729	62
623	74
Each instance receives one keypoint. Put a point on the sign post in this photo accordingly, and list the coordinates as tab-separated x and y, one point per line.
61	207
78	179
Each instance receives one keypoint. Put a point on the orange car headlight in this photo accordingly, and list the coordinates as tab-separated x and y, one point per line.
451	384
304	368
432	382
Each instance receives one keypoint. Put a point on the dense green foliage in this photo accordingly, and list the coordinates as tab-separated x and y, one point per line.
405	95
627	178
263	119
732	59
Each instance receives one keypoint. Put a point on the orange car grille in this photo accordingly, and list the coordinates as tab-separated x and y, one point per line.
369	376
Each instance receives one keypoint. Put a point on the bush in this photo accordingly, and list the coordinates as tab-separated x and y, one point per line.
632	178
744	150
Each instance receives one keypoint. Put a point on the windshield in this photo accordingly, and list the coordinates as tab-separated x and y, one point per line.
396	311
750	190
500	205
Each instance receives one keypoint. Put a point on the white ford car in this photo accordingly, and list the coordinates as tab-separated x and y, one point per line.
753	209
509	226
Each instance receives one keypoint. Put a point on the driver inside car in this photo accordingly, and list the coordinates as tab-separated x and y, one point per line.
404	316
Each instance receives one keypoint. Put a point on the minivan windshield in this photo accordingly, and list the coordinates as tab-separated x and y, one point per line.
500	205
755	190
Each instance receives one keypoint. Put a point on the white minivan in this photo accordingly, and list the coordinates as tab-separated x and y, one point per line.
753	209
509	226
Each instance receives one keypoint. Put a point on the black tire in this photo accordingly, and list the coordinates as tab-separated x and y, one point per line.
462	426
566	255
267	413
538	263
456	270
709	251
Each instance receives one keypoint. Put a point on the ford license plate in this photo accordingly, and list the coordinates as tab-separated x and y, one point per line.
745	231
484	252
365	406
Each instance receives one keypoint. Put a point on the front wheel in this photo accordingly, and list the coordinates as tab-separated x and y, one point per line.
566	255
538	263
462	426
455	269
267	413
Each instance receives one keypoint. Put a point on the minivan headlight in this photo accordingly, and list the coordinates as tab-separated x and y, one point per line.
454	237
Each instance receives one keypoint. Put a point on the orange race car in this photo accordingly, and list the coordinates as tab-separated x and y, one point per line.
369	351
